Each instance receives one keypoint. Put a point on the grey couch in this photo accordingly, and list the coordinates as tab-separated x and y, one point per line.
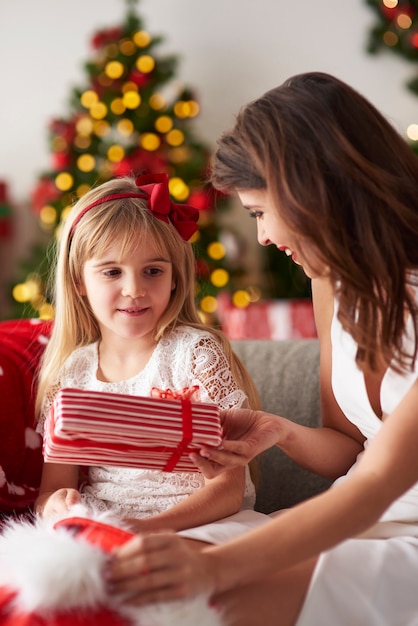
286	374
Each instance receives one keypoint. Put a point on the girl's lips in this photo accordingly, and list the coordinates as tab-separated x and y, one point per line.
133	311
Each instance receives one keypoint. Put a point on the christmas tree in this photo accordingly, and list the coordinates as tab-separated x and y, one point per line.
131	117
396	30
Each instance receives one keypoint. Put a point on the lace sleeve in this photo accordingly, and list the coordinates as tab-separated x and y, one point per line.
212	369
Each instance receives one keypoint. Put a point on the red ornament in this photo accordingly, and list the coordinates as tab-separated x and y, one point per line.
103	37
44	193
140	162
63	128
60	160
202	199
140	79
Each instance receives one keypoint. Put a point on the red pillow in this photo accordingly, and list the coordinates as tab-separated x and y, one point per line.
22	343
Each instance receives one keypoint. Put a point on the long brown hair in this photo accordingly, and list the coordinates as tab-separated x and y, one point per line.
345	181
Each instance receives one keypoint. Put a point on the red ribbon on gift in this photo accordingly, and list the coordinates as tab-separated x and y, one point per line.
186	395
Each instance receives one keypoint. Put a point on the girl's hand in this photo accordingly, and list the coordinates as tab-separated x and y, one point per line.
247	433
60	501
157	568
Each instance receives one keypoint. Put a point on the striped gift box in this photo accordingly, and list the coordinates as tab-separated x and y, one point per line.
98	428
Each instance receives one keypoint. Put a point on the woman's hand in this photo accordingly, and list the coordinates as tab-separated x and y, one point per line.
59	502
247	433
158	567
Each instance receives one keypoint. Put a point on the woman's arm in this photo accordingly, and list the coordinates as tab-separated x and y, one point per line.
58	490
331	450
389	467
328	451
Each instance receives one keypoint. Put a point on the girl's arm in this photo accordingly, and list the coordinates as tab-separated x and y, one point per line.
220	497
58	490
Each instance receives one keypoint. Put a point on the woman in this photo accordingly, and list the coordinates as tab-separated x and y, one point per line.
331	183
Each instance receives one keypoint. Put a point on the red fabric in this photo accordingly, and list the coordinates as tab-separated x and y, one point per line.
9	616
98	533
22	343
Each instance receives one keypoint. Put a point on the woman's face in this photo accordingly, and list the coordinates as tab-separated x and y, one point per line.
272	230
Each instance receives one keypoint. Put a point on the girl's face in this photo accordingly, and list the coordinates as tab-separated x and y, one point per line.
128	295
272	230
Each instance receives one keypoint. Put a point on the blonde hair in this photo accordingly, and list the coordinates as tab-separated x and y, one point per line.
128	223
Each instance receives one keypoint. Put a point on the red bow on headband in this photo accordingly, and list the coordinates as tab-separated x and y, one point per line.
154	188
183	216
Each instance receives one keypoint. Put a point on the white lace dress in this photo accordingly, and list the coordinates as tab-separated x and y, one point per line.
184	358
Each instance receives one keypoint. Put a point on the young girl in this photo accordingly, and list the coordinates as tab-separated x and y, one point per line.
331	183
126	322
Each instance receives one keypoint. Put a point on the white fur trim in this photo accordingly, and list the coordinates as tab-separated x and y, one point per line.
50	570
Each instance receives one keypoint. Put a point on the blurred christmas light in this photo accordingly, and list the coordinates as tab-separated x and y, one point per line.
142	39
412	132
104	80
150	141
404	21
127	47
115	153
219	278
125	127
208	304
64	181
80	191
216	250
390	4
114	69
175	137
390	39
48	215
86	163
101	128
180	155
129	86
117	106
157	102
98	111
46	311
131	99
184	109
145	63
82	142
89	98
84	125
164	124
240	298
178	189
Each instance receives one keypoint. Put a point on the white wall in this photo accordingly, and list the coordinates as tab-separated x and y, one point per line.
230	51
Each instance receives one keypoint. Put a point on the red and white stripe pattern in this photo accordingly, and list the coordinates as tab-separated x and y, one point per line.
99	428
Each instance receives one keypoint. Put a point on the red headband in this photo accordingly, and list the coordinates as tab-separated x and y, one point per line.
154	188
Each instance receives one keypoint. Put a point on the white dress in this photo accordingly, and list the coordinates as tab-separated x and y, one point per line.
372	580
183	358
